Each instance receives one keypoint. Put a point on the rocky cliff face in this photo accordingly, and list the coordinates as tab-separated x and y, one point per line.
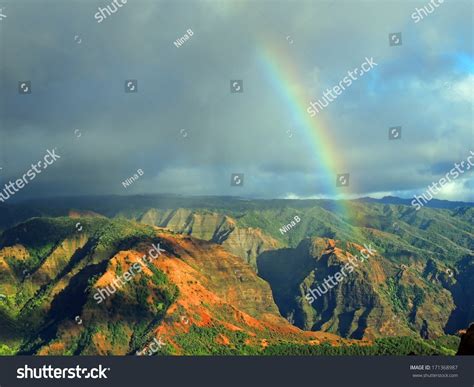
399	293
376	298
419	283
207	225
249	243
195	297
461	285
246	243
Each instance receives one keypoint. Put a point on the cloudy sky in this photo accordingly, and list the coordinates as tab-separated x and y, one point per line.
189	133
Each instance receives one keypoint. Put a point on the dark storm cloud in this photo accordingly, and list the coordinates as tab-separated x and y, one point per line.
189	133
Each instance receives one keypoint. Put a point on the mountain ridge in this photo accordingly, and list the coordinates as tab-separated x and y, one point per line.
419	283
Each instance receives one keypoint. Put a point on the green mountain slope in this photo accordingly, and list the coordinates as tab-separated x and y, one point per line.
419	283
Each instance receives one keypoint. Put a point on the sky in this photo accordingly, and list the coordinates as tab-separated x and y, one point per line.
189	133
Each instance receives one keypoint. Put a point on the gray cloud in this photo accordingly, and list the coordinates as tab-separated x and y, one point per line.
425	86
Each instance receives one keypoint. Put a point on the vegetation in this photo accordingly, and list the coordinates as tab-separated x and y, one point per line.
35	314
383	346
205	341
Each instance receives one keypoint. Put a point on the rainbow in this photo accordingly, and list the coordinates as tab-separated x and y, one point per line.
282	75
284	78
